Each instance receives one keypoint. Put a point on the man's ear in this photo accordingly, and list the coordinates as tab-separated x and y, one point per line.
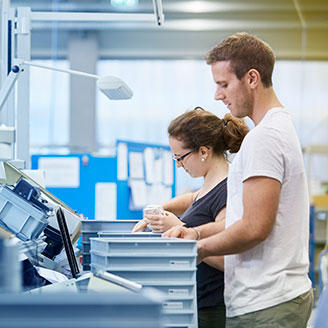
253	78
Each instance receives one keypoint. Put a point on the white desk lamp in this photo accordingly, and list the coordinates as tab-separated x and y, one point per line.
113	87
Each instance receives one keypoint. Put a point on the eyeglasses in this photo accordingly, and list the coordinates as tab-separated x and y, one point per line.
179	159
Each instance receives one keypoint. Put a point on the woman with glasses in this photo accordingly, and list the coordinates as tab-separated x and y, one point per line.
200	142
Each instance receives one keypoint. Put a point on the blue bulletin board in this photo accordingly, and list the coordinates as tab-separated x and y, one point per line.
124	183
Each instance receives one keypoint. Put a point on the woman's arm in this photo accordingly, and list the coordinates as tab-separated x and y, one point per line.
205	230
178	205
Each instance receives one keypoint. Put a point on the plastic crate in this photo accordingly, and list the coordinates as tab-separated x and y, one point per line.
85	247
144	246
84	310
178	326
184	319
175	292
87	235
146	276
141	262
20	217
91	228
108	234
104	225
170	306
86	258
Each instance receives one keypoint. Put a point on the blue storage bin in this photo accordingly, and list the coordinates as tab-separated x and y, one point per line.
20	217
141	262
86	258
85	247
87	235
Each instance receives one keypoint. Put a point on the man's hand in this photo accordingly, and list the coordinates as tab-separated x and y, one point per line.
140	226
181	232
163	222
200	253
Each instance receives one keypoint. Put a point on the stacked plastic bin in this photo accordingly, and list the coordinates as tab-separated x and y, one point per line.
83	310
166	264
91	228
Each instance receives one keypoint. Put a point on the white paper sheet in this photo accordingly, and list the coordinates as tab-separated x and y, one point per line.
106	200
149	164
122	161
138	193
136	165
61	172
167	168
158	193
158	170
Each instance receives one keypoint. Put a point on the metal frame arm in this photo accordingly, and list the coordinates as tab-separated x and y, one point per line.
8	85
52	68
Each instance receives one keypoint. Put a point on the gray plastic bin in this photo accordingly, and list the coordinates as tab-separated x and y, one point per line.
19	216
170	306
144	246
141	262
91	228
84	310
108	234
154	276
167	264
104	225
175	292
185	318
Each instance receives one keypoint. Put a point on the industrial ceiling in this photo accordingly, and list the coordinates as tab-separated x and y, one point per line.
296	29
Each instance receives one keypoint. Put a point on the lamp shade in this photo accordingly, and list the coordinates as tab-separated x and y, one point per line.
114	88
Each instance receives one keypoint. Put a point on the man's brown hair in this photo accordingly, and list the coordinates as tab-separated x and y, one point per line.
245	52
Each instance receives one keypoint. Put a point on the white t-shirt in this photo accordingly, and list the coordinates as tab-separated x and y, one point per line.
274	271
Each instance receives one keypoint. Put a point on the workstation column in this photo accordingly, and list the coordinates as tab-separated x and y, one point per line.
83	56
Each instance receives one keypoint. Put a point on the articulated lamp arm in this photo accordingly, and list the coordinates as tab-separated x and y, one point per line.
113	87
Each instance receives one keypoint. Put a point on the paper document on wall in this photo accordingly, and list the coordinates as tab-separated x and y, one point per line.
106	200
122	161
136	165
138	193
167	168
61	172
158	170
158	193
149	162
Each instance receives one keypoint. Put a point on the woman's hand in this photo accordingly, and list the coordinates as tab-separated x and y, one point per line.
163	222
140	226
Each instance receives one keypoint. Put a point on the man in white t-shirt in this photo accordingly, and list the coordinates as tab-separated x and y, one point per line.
266	234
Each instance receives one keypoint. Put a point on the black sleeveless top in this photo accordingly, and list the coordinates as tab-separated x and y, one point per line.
210	281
